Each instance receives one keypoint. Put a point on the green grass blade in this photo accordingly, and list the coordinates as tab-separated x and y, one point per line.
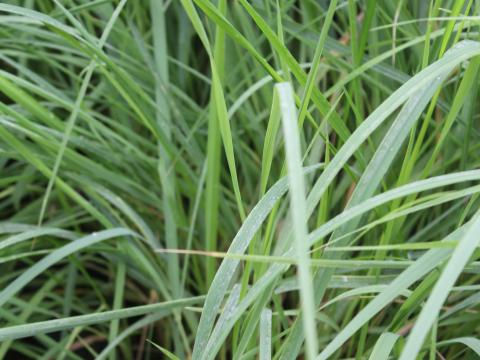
471	342
227	269
298	211
26	330
383	347
59	254
265	352
459	259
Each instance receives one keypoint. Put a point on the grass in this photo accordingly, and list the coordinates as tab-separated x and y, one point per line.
239	179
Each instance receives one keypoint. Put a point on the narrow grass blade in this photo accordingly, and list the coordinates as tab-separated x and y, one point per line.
471	342
265	352
459	259
32	329
227	269
416	271
298	210
58	255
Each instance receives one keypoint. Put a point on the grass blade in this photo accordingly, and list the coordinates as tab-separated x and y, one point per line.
299	211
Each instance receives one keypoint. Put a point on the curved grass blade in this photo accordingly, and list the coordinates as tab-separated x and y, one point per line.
227	269
58	255
471	342
407	278
459	259
383	347
43	327
76	110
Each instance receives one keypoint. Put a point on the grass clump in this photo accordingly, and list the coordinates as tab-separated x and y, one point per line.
250	179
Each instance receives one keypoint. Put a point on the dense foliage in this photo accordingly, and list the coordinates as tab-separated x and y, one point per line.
239	179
